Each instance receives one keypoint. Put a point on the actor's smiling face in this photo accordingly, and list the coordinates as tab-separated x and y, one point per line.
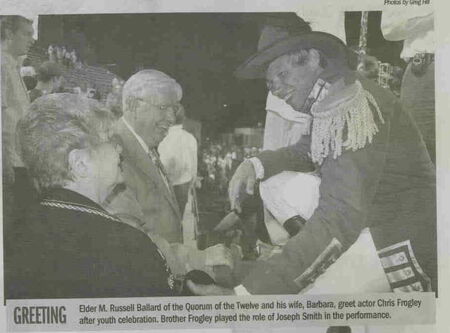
291	79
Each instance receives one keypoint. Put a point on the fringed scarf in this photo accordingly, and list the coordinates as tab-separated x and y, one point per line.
353	115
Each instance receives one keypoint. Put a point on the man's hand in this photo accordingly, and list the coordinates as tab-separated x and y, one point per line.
241	185
227	222
208	290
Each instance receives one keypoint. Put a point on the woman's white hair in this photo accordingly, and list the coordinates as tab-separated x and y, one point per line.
55	125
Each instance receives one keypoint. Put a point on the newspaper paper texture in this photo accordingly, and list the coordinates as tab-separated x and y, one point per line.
225	167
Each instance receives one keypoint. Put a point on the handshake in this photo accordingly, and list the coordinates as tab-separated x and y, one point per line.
221	257
219	260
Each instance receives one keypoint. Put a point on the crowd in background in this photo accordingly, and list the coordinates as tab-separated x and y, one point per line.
218	162
49	77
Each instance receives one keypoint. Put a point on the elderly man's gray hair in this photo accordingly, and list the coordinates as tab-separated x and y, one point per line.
55	125
148	84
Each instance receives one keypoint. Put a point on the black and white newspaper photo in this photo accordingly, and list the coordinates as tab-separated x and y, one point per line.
225	166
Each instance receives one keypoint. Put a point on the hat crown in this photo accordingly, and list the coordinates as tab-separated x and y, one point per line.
271	34
276	40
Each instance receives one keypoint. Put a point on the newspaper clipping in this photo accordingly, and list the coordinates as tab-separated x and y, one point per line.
236	167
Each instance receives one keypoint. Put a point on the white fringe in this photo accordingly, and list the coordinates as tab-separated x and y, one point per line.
354	115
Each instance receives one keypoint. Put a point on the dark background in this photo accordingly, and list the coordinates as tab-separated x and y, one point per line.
200	50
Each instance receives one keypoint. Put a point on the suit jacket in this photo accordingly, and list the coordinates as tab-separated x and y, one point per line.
70	247
157	207
389	186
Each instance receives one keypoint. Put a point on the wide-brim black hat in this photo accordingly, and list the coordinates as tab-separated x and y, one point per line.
275	42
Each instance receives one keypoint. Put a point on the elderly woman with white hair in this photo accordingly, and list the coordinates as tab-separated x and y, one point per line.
69	246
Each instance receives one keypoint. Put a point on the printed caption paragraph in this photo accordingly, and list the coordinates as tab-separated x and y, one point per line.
140	313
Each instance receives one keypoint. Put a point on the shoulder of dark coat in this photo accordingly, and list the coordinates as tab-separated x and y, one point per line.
112	227
386	100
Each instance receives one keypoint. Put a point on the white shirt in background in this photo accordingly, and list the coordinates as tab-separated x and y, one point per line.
414	26
178	154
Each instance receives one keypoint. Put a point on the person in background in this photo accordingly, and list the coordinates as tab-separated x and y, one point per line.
221	171
237	158
415	26
16	39
178	154
114	97
50	80
369	67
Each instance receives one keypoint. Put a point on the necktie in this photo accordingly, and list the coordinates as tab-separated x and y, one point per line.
154	156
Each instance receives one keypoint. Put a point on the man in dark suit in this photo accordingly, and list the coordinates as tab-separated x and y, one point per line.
374	168
150	101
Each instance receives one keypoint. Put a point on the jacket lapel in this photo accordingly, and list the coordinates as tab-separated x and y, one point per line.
134	153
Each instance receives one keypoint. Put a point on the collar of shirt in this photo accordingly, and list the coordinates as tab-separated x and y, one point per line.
284	110
137	136
176	128
337	95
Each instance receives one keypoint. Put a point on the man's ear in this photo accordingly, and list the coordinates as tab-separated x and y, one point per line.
131	104
79	162
314	58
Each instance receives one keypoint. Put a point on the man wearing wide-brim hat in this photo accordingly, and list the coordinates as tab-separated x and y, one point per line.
374	168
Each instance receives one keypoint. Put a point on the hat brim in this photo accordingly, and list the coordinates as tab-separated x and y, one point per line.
332	47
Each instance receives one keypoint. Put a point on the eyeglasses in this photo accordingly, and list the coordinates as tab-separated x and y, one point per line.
163	107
